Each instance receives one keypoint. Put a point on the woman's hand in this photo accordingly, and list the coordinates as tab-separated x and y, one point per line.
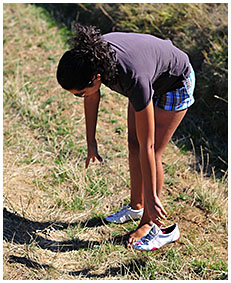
92	153
156	211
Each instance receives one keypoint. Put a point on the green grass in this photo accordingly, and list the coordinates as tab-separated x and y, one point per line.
54	209
199	29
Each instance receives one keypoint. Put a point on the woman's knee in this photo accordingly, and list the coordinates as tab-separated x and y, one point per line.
158	155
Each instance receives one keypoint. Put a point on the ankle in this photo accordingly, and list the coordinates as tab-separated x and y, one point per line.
148	223
136	206
145	220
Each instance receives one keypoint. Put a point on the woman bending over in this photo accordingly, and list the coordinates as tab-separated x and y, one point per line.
158	81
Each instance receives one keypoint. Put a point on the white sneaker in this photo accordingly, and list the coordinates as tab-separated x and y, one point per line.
125	214
158	237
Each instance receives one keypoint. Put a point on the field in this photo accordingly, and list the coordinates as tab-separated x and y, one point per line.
54	209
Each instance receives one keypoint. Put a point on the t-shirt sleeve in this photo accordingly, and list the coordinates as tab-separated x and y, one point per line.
141	94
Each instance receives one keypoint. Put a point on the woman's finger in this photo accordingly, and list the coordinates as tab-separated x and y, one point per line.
163	211
87	162
161	208
158	222
89	158
99	158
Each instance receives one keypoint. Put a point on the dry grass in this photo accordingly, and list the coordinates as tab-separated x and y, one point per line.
54	208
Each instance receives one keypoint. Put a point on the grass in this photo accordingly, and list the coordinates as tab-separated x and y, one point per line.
199	29
54	208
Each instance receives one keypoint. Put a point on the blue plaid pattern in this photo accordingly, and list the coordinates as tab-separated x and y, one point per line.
178	99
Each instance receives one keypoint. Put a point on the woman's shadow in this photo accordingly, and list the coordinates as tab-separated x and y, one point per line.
20	230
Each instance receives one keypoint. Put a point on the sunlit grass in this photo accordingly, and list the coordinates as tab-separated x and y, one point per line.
54	209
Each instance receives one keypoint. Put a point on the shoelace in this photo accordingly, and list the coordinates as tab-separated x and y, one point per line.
151	235
122	210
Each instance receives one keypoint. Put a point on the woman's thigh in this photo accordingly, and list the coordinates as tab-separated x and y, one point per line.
166	123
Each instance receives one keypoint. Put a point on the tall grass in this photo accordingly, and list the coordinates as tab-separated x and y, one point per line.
201	30
54	209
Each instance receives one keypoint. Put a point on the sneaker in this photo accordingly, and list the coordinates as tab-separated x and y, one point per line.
158	237
125	214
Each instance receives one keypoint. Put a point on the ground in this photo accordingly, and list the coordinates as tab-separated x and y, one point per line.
54	209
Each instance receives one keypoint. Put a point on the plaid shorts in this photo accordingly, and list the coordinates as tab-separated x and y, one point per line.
178	99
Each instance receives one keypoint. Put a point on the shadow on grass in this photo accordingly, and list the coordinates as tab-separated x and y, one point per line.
195	135
24	231
132	267
27	262
197	127
93	222
20	230
65	13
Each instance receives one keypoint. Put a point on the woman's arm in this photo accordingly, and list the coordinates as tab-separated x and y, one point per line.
145	129
91	105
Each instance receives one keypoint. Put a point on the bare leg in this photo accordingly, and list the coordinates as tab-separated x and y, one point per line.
166	122
137	200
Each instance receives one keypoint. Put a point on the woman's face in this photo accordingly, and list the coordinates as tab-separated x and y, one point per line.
91	89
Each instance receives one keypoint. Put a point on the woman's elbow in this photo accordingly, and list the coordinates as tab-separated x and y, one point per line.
147	148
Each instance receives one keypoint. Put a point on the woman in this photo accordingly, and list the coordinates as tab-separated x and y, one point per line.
158	80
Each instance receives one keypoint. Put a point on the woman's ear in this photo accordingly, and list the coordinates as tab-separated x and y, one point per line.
98	77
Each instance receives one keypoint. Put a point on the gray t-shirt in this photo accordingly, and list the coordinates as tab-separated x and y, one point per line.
147	66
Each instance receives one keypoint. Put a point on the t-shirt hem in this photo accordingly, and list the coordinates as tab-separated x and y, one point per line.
143	107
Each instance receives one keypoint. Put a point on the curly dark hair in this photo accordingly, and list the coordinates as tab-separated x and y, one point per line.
89	55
